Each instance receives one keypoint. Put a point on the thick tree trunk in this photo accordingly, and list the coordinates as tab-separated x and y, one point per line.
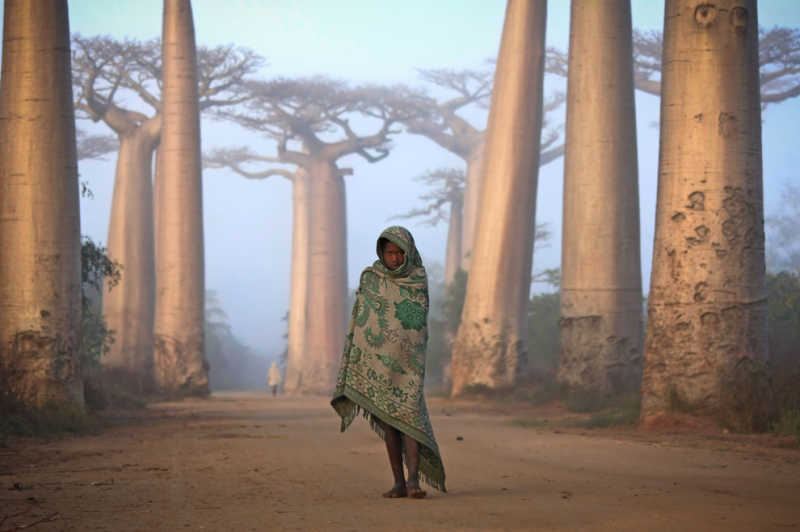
472	197
707	303
158	196
180	363
129	307
601	281
298	305
453	257
490	346
327	281
40	261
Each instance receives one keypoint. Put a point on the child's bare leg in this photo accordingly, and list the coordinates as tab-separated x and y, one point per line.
412	455
395	449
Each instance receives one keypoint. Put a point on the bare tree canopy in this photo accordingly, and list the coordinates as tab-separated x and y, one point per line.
318	110
95	146
236	159
102	65
445	127
779	61
447	187
472	87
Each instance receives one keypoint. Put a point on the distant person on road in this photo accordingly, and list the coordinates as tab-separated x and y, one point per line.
274	378
383	364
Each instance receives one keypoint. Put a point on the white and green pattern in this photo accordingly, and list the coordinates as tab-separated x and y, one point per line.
383	364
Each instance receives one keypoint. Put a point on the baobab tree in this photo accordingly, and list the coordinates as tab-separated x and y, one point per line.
778	59
444	203
317	112
490	345
457	135
601	281
178	333
40	260
105	71
238	160
707	302
585	349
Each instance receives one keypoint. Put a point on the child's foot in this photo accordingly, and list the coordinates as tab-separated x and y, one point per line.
397	492
415	491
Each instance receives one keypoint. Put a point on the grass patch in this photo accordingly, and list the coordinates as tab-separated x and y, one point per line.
52	417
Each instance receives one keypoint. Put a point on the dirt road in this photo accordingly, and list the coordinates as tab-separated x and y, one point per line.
242	462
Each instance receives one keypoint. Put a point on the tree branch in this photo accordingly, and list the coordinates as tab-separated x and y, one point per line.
551	155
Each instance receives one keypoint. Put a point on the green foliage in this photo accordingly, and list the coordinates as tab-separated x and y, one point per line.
783	311
52	417
96	268
97	337
746	398
544	314
789	424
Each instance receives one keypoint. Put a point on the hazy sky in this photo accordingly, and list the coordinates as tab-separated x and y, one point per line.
248	223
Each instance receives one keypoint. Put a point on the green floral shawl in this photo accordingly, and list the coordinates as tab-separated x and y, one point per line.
383	364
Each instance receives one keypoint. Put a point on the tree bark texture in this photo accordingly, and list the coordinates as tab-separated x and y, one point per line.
707	303
327	280
180	363
298	305
453	257
490	346
129	307
601	281
472	196
158	195
40	261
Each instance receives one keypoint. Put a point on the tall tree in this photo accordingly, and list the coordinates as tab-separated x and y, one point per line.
601	284
490	345
707	302
457	135
778	59
40	261
104	72
316	112
238	160
448	194
179	356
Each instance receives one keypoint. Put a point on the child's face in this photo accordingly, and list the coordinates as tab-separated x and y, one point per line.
393	255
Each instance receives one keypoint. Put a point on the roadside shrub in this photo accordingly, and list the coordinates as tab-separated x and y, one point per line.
788	424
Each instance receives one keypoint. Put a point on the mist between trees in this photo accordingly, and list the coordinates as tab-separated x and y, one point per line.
150	326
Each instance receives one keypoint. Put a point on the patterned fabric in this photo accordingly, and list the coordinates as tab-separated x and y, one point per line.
383	364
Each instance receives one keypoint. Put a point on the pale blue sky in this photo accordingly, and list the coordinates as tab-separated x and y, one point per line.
248	224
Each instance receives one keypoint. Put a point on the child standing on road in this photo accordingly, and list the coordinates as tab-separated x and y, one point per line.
383	364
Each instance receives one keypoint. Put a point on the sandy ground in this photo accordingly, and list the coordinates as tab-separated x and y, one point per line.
241	462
